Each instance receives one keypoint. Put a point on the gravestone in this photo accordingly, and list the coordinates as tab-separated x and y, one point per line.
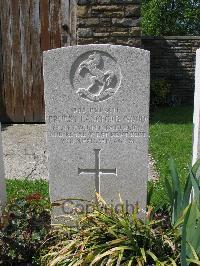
97	115
196	116
2	176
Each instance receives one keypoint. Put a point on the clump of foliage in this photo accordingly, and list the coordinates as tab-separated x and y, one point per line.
185	213
107	237
170	17
23	226
160	89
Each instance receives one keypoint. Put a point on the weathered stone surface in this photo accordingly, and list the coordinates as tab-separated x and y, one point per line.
97	115
135	31
132	11
175	63
106	8
83	11
101	34
117	17
84	2
119	34
126	22
196	116
88	22
2	175
86	32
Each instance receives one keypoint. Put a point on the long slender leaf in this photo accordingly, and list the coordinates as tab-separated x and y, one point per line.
193	252
143	255
187	192
195	186
176	189
169	191
107	253
195	262
149	195
184	238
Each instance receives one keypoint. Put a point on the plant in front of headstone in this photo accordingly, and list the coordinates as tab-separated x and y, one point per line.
185	211
25	222
109	237
190	241
179	199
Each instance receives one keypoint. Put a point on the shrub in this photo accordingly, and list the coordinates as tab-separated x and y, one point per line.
107	237
24	224
185	213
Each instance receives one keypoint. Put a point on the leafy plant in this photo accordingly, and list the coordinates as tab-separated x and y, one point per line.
159	92
170	17
186	214
107	237
190	242
24	224
179	199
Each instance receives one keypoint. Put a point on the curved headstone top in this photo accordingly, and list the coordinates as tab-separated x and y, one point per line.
196	116
97	115
2	175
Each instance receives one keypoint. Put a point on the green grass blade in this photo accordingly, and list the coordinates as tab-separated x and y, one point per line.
130	261
195	186
195	262
193	252
152	255
187	192
184	238
108	253
169	191
143	254
173	262
150	194
176	190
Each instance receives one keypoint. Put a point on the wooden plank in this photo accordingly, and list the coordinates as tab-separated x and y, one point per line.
65	22
2	106
35	29
44	19
7	63
55	24
16	77
45	37
73	22
27	76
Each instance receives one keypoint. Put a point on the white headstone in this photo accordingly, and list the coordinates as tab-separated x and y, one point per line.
97	115
2	175
196	116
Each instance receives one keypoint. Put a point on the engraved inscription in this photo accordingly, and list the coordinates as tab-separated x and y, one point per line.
98	126
95	76
97	171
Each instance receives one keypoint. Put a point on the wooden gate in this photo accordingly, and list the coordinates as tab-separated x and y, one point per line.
29	27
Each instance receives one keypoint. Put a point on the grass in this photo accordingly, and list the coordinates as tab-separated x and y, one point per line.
170	135
17	188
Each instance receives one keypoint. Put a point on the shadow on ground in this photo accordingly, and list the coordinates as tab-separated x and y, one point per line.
5	126
172	115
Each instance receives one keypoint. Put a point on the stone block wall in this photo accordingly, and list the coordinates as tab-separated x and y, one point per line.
109	21
173	59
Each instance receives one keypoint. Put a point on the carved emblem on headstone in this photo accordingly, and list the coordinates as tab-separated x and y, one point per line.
96	76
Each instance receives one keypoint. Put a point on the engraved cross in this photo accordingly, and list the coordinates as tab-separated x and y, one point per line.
97	171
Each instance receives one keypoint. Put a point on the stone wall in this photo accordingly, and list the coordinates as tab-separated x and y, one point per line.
173	59
109	21
118	22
